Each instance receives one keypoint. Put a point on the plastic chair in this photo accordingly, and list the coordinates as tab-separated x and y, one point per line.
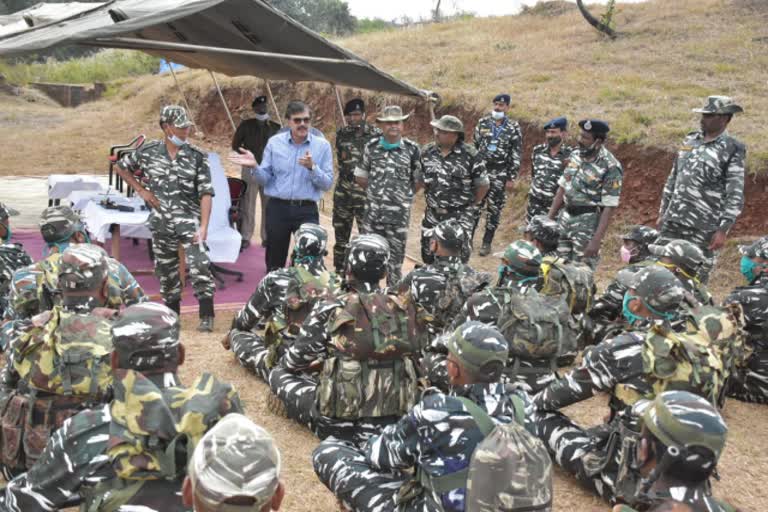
237	188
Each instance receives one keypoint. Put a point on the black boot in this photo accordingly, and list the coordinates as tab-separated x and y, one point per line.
174	306
206	315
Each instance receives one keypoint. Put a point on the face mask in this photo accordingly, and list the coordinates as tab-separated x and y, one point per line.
588	151
554	141
626	254
262	117
387	146
497	115
176	141
629	315
747	268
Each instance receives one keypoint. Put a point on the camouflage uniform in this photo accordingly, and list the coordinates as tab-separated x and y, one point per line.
449	186
502	149
23	304
437	437
544	233
86	459
393	176
179	185
12	257
589	187
268	302
705	189
348	197
545	175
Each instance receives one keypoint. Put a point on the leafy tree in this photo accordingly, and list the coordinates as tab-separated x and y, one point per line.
327	16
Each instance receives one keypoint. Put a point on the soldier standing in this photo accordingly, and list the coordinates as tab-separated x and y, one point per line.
455	183
704	194
348	197
253	135
180	193
588	195
499	141
390	173
548	161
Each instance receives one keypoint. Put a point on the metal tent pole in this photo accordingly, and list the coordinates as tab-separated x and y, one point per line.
178	86
274	105
338	102
223	101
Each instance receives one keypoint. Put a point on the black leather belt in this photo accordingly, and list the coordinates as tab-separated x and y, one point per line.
581	210
294	202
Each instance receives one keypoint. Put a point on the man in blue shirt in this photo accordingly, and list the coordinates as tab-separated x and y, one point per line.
297	167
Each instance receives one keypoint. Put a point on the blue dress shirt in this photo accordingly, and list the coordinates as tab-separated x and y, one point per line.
284	177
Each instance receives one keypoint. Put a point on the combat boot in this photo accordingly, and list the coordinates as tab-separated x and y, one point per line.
206	315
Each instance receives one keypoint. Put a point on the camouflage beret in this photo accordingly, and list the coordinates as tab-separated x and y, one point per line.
683	254
235	459
59	223
450	234
757	249
475	344
367	254
523	257
658	288
311	240
24	291
146	336
683	420
448	124
83	267
643	235
542	228
719	105
175	115
6	211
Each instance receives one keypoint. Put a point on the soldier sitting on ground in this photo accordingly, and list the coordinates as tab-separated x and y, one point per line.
366	341
23	304
282	301
235	468
680	444
544	234
130	454
438	437
12	256
686	261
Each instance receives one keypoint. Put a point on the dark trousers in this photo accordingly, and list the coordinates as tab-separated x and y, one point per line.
283	218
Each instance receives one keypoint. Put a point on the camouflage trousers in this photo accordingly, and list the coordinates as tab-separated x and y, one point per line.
752	384
576	231
297	392
463	214
165	247
671	231
578	452
537	206
251	351
494	203
348	206
397	236
344	470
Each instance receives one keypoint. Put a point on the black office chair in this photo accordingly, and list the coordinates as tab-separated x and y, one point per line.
237	188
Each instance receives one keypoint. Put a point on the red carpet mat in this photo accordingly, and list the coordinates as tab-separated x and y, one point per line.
136	258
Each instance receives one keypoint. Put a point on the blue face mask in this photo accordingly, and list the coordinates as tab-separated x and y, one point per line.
747	268
629	315
176	141
387	146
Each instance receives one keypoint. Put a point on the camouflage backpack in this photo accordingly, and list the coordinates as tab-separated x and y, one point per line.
371	372
574	281
721	327
494	479
446	293
48	282
66	353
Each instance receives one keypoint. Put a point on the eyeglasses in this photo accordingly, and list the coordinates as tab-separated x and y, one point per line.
301	120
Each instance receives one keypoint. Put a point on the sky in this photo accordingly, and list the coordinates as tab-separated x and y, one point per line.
415	9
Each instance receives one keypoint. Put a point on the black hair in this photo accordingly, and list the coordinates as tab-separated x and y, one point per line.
296	107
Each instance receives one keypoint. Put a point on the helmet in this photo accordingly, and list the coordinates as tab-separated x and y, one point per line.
368	257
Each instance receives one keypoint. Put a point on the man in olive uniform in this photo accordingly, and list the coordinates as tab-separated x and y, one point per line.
704	194
180	193
455	183
548	161
390	173
588	195
499	140
253	135
348	197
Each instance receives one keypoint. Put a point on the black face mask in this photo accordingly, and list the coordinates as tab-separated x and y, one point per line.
554	141
588	151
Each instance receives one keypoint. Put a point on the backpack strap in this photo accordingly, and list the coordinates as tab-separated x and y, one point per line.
482	418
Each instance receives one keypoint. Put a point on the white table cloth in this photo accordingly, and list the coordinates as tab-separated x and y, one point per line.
61	185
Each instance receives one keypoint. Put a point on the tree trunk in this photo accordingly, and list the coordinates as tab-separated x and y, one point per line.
601	27
436	13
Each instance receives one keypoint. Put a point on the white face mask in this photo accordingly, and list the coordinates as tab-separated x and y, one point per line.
176	141
497	115
262	117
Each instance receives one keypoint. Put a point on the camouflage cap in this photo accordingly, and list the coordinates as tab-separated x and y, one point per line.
24	291
83	267
367	254
684	254
311	240
658	288
719	105
6	211
146	336
175	115
392	114
643	235
757	249
683	420
236	459
450	234
448	124
543	229
522	256
476	344
59	223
